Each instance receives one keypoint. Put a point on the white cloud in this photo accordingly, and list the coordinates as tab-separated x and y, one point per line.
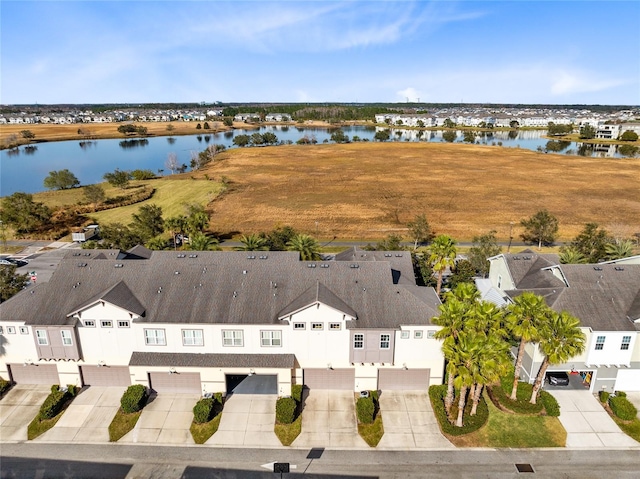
410	94
566	82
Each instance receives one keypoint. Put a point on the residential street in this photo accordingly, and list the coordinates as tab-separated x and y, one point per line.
191	462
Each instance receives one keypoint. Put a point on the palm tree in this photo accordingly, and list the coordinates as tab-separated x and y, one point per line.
176	225
157	243
442	253
560	340
619	249
570	255
252	242
306	245
524	317
202	242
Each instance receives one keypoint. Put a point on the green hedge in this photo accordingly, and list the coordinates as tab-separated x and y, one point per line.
52	405
286	410
471	423
366	410
521	405
296	392
4	386
621	394
203	411
550	404
604	396
134	398
622	408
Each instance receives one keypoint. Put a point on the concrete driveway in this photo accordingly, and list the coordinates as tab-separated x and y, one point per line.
587	424
409	422
329	420
165	419
18	408
247	420
87	418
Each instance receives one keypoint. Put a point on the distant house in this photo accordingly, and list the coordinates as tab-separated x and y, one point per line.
605	298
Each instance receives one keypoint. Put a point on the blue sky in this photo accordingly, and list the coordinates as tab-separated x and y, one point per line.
585	52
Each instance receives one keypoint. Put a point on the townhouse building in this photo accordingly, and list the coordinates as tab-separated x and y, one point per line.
197	321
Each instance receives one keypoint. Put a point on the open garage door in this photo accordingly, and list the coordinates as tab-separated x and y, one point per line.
34	373
628	380
252	384
105	375
343	379
175	383
403	379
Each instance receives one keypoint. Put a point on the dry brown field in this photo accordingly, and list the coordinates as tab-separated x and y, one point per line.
364	191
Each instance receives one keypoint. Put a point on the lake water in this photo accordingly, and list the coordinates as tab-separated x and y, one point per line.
24	169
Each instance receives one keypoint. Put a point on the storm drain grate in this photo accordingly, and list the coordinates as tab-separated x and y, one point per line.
524	468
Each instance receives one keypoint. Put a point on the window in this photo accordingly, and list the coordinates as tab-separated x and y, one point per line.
600	343
299	326
1	330
11	330
384	341
24	330
270	338
358	341
154	337
106	324
404	334
316	326
89	323
499	281
192	337
417	334
66	337
335	326
41	334
123	324
626	341
431	334
232	338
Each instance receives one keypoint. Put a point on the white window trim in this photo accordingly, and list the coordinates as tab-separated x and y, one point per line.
626	341
124	324
383	341
1	330
24	329
600	343
106	323
405	334
271	338
431	334
356	341
320	326
89	323
194	338
335	326
11	330
43	339
153	339
68	338
236	340
299	326
418	334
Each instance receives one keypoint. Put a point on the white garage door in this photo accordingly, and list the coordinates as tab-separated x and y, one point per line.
34	373
343	379
628	380
175	383
403	379
105	375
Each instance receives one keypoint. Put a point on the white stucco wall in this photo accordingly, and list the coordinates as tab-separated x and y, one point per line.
16	348
611	352
499	273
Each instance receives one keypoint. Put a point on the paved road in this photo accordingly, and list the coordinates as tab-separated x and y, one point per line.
191	462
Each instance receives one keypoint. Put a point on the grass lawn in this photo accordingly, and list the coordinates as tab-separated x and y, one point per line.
372	433
514	430
38	427
202	432
287	433
122	423
630	428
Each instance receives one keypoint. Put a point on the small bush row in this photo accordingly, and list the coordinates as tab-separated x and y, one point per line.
550	404
4	386
622	407
521	405
437	394
207	408
55	401
604	396
134	398
289	408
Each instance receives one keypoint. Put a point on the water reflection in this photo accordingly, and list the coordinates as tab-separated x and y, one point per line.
30	149
207	138
171	140
87	144
133	143
13	152
557	146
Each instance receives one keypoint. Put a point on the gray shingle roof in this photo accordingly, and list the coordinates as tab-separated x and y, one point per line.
220	288
526	270
318	293
400	261
118	295
212	360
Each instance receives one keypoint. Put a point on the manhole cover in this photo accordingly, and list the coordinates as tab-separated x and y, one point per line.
524	468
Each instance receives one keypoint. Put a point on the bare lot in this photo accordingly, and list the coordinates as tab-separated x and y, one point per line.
368	190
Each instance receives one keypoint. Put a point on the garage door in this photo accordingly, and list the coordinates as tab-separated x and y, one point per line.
175	383
628	380
330	378
34	373
403	379
105	376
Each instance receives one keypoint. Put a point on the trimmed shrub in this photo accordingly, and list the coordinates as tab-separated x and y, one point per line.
55	388
72	389
4	386
622	408
203	411
134	398
621	394
285	410
52	405
217	397
471	423
296	392
550	404
604	396
521	405
365	408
